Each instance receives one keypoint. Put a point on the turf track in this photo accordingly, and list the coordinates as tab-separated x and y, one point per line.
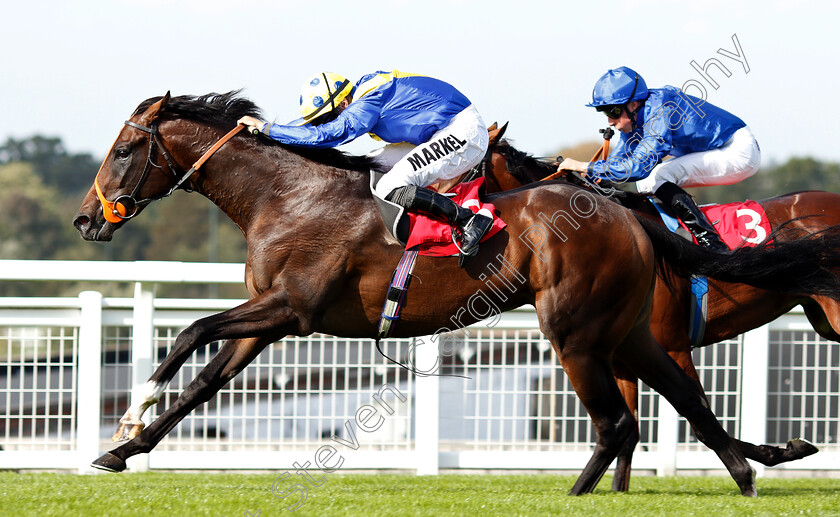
399	495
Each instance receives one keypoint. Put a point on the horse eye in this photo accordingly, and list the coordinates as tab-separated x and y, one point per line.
122	154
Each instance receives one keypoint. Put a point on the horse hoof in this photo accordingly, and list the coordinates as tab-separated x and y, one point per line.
127	432
135	430
800	448
109	463
750	490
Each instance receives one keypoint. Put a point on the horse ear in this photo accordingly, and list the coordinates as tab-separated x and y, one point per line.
492	127
496	133
154	110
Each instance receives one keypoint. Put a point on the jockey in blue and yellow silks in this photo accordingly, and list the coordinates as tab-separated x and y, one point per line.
709	146
432	131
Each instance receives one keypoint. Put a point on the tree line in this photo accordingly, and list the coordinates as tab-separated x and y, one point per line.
42	185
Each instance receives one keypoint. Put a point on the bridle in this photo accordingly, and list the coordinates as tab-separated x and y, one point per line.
127	206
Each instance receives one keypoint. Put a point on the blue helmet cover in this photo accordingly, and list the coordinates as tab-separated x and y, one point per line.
617	86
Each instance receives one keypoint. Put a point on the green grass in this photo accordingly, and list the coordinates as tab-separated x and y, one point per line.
398	495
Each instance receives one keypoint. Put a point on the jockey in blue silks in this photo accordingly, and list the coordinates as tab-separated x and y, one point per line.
433	133
709	146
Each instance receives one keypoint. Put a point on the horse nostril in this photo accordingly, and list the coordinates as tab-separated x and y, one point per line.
81	222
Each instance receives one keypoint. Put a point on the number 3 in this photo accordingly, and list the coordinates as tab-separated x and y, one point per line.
753	224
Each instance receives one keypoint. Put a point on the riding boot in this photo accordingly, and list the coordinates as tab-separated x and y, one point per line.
468	226
686	209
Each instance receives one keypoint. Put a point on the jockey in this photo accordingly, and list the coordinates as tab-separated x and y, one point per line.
709	146
432	131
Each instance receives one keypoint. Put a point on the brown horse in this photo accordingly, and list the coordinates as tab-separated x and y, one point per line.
320	258
733	309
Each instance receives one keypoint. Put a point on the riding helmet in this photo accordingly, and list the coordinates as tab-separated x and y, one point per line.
321	93
618	86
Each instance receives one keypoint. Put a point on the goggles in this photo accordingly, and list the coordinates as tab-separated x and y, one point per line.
611	110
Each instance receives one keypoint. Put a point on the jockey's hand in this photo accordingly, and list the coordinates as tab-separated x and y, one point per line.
253	124
572	165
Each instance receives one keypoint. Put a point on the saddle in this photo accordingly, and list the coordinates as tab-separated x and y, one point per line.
393	215
739	224
433	237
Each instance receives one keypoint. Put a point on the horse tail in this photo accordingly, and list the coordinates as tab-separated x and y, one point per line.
799	266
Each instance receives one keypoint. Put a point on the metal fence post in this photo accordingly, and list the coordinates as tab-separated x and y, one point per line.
427	407
142	353
89	399
754	388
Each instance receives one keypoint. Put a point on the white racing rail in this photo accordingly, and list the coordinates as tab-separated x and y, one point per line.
67	366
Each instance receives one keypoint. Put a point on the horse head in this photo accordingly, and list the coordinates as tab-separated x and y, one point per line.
511	168
151	155
130	176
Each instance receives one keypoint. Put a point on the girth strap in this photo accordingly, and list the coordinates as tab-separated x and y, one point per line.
396	293
393	306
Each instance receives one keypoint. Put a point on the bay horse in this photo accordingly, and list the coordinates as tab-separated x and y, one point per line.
733	308
320	259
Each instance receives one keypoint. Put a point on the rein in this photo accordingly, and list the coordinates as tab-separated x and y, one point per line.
602	153
126	206
584	179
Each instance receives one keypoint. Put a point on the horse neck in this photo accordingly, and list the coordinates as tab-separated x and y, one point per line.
246	178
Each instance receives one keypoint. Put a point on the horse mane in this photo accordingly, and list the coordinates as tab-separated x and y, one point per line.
520	164
528	169
224	109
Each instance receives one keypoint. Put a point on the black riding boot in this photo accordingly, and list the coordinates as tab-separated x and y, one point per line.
468	227
686	209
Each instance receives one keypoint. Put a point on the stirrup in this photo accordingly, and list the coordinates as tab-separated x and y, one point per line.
478	222
712	241
462	256
458	246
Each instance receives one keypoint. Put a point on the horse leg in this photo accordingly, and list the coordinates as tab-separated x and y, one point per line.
592	378
149	393
234	356
188	341
628	385
768	455
648	360
267	316
824	315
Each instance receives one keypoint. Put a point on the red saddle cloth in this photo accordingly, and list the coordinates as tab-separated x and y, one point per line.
739	224
435	236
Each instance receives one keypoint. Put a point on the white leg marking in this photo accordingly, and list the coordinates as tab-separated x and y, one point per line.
142	397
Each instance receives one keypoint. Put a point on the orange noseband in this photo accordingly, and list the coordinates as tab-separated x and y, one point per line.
111	210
